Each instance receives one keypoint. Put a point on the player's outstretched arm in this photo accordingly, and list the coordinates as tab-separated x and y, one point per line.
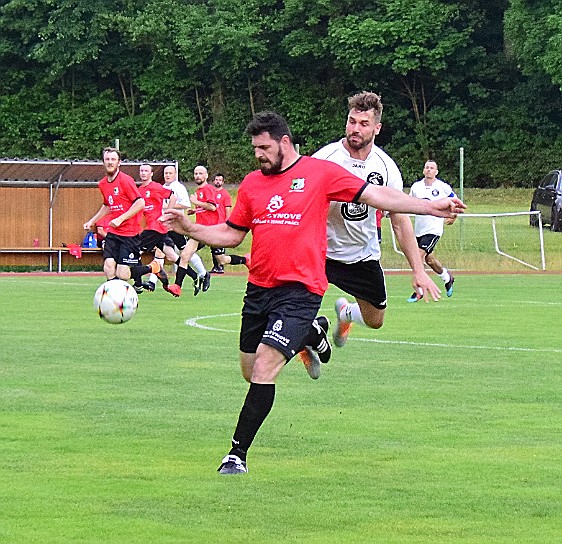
392	200
212	235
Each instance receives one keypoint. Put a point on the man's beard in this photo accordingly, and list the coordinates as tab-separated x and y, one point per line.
359	145
270	169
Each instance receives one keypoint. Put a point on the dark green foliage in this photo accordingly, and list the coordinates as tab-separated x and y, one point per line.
180	79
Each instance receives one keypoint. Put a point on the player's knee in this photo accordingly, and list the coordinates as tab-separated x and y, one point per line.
374	323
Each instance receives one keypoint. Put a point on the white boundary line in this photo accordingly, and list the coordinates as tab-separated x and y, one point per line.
194	322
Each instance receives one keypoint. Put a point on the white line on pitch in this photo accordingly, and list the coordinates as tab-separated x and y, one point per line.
194	322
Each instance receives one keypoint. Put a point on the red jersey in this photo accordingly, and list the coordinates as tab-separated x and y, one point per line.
119	195
223	200
287	215
206	193
154	195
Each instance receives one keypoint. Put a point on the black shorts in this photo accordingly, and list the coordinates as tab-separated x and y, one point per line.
178	240
278	316
122	249
427	242
364	280
149	239
218	250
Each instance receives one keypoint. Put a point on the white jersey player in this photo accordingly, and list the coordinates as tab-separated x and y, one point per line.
429	229
353	254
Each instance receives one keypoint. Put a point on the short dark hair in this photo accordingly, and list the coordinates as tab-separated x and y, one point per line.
218	174
365	101
271	122
111	150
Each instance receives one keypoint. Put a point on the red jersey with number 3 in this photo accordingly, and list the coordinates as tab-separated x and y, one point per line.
206	193
119	195
287	215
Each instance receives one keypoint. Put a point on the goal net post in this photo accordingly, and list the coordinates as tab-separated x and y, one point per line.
484	241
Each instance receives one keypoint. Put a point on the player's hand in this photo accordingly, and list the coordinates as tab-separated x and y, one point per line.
176	220
448	207
88	225
426	287
116	222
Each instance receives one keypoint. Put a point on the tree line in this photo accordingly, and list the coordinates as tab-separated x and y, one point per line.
180	79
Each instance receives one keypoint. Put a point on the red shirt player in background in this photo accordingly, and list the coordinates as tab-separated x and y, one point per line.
153	234
224	203
285	205
206	213
123	203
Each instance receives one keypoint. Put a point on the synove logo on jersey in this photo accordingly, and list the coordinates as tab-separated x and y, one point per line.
275	217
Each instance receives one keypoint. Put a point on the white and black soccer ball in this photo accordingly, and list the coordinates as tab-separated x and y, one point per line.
116	301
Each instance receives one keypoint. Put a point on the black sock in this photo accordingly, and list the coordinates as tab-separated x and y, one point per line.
236	259
180	275
139	270
257	406
215	262
191	273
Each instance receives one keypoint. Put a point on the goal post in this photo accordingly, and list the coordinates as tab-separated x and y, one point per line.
484	241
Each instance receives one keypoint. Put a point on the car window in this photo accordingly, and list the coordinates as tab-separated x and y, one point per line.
559	185
549	181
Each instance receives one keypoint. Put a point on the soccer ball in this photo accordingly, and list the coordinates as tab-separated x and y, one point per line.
116	301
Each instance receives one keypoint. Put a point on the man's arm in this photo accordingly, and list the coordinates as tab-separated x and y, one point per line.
136	207
209	206
220	235
402	227
392	200
103	211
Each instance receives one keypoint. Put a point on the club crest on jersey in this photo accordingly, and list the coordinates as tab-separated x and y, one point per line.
276	203
147	194
435	192
115	190
375	178
297	185
354	212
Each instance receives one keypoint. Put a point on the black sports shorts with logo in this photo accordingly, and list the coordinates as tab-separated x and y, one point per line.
278	316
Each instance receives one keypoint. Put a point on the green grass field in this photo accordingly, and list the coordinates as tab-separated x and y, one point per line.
441	427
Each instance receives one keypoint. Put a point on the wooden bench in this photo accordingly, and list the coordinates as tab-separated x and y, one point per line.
50	252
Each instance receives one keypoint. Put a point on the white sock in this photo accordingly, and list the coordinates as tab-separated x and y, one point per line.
445	276
153	279
198	264
352	313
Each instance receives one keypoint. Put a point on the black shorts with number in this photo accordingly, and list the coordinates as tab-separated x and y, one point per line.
427	242
277	316
364	280
122	249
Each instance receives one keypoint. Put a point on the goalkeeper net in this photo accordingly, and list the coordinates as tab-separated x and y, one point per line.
481	241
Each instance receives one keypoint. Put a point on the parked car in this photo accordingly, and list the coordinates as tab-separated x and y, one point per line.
547	199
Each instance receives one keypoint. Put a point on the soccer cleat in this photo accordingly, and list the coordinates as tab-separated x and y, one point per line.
232	464
449	285
174	289
415	297
205	282
148	286
248	262
217	270
196	286
163	277
311	362
341	332
138	289
322	346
